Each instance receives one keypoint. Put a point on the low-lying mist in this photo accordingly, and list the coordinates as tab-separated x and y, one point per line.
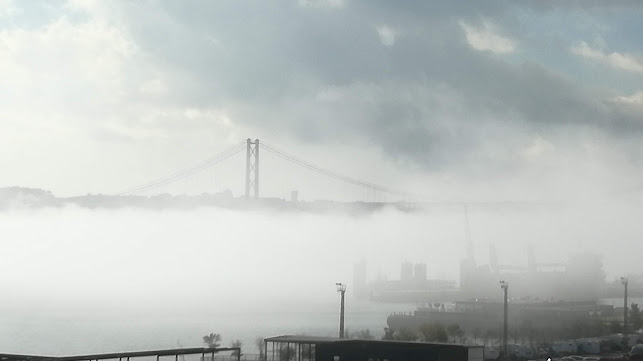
132	256
73	264
74	255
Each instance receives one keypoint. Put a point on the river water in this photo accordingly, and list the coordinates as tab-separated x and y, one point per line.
95	330
67	333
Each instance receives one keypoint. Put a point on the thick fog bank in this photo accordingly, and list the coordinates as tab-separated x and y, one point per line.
69	270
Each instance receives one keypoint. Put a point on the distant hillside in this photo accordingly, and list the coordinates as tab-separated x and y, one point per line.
33	198
20	198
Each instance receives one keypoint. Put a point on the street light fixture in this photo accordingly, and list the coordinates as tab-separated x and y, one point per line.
505	286
625	343
341	288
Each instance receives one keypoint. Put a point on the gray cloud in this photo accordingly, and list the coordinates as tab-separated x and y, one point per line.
262	55
322	75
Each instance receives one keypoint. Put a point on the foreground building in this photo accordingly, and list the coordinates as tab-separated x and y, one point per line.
307	348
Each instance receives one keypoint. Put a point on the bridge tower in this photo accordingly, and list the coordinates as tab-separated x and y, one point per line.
252	167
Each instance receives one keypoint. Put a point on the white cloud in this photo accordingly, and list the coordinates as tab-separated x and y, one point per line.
155	86
335	4
73	84
7	8
485	38
90	6
537	148
65	60
634	99
387	35
617	60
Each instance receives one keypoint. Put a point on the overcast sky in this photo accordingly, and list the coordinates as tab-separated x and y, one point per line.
490	99
459	100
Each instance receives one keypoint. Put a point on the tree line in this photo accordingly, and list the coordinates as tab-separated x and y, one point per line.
526	333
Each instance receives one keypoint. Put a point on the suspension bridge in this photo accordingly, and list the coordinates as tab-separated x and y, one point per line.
270	172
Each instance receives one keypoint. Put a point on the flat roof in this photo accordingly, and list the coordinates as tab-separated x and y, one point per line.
302	339
326	340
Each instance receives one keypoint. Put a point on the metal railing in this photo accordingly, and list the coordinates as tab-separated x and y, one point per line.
121	356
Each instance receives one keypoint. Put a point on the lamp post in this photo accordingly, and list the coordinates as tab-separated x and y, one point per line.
505	286
341	288
625	343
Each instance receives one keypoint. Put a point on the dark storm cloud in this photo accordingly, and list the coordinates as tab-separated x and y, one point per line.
272	60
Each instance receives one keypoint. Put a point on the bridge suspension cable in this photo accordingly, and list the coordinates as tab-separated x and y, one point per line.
235	149
335	175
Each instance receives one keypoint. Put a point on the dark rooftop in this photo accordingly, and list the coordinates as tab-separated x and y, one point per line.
326	340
